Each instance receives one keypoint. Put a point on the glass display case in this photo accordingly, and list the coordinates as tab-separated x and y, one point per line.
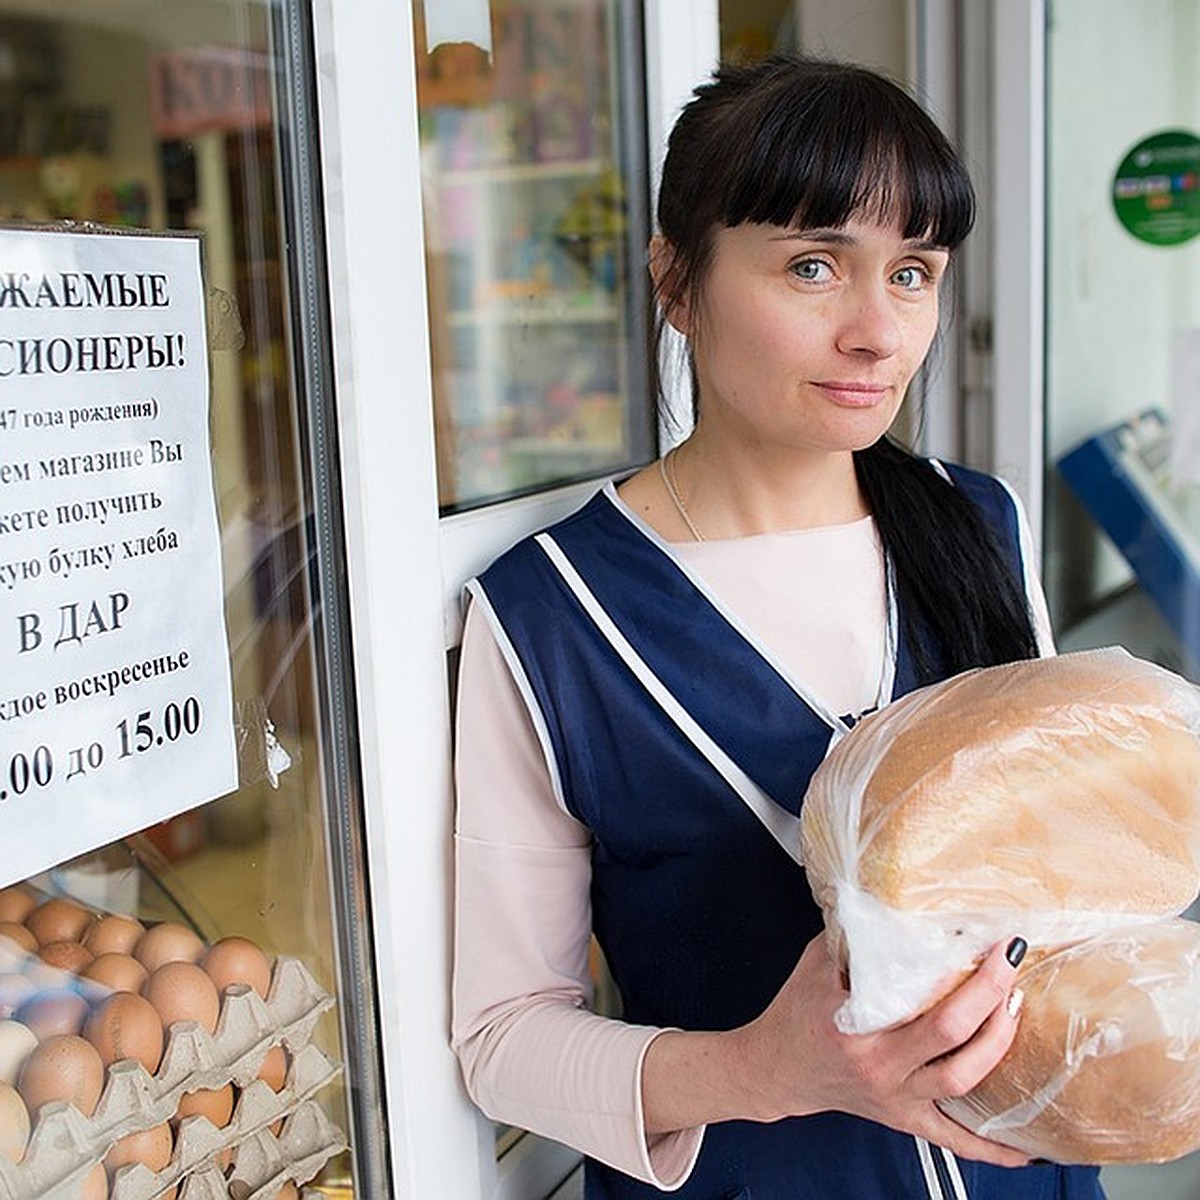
150	117
534	177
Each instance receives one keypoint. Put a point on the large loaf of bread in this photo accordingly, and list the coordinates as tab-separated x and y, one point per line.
1068	783
1106	1067
1057	799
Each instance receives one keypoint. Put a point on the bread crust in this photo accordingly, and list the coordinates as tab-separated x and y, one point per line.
1036	786
1105	1066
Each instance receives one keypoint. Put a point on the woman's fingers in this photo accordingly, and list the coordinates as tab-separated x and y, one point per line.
956	1073
974	1019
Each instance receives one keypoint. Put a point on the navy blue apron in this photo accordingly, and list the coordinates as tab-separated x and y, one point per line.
686	752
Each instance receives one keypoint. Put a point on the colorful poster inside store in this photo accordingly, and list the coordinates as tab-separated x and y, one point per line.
116	704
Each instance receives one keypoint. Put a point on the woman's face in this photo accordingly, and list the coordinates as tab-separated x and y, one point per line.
808	338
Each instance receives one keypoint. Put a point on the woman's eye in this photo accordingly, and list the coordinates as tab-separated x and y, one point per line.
811	270
912	278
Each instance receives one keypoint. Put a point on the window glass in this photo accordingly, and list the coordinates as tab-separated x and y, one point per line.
132	114
1123	336
1122	523
531	130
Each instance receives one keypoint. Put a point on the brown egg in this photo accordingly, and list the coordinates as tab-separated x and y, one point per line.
168	942
181	991
214	1103
16	939
95	1184
113	934
16	903
273	1071
53	1012
66	956
58	920
17	1042
151	1147
14	1124
118	972
289	1191
237	960
64	1067
126	1026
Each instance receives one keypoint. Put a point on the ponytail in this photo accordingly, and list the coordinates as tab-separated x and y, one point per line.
962	604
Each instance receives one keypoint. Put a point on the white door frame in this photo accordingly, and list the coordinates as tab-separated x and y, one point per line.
1018	200
405	566
982	70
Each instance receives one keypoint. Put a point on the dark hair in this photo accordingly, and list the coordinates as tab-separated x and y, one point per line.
808	143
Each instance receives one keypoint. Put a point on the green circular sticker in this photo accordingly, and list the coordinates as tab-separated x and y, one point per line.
1154	191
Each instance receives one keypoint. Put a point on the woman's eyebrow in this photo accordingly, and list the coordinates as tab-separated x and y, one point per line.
839	237
833	237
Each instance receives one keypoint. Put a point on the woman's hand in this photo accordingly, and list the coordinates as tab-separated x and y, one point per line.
893	1076
793	1061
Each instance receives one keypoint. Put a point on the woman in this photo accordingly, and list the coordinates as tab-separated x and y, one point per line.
647	687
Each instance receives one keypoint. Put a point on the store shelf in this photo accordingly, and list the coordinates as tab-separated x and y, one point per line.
524	172
535	313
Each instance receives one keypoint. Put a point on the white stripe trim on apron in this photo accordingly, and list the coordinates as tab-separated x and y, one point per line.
781	824
933	1180
956	1179
833	720
933	1185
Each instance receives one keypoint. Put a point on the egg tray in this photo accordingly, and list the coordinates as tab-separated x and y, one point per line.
65	1145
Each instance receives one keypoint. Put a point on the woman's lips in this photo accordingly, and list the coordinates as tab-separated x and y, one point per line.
854	394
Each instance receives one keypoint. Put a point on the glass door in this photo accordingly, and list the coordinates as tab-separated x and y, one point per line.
1122	403
532	126
535	226
131	130
1123	325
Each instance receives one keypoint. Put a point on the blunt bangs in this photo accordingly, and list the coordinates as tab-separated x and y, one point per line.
827	145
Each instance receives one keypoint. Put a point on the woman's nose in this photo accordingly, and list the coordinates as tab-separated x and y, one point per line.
870	325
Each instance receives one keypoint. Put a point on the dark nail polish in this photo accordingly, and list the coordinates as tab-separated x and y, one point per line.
1016	951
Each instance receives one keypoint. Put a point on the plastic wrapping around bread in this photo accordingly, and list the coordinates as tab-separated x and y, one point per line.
1106	1065
1057	799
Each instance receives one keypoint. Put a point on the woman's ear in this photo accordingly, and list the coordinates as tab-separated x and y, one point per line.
665	277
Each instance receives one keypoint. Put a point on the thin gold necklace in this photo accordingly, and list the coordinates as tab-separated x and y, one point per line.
666	468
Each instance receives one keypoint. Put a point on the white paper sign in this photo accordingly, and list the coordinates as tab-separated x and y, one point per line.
116	704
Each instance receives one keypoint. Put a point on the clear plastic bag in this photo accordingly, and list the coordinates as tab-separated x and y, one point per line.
1106	1068
1058	799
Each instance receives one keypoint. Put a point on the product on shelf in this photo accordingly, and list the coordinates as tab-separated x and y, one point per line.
181	991
196	1081
237	960
65	1067
125	1025
58	920
167	942
113	934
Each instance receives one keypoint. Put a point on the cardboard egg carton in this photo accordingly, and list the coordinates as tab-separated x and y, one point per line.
65	1145
264	1163
199	1144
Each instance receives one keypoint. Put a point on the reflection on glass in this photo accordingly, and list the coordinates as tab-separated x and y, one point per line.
531	215
1122	379
135	113
1123	337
